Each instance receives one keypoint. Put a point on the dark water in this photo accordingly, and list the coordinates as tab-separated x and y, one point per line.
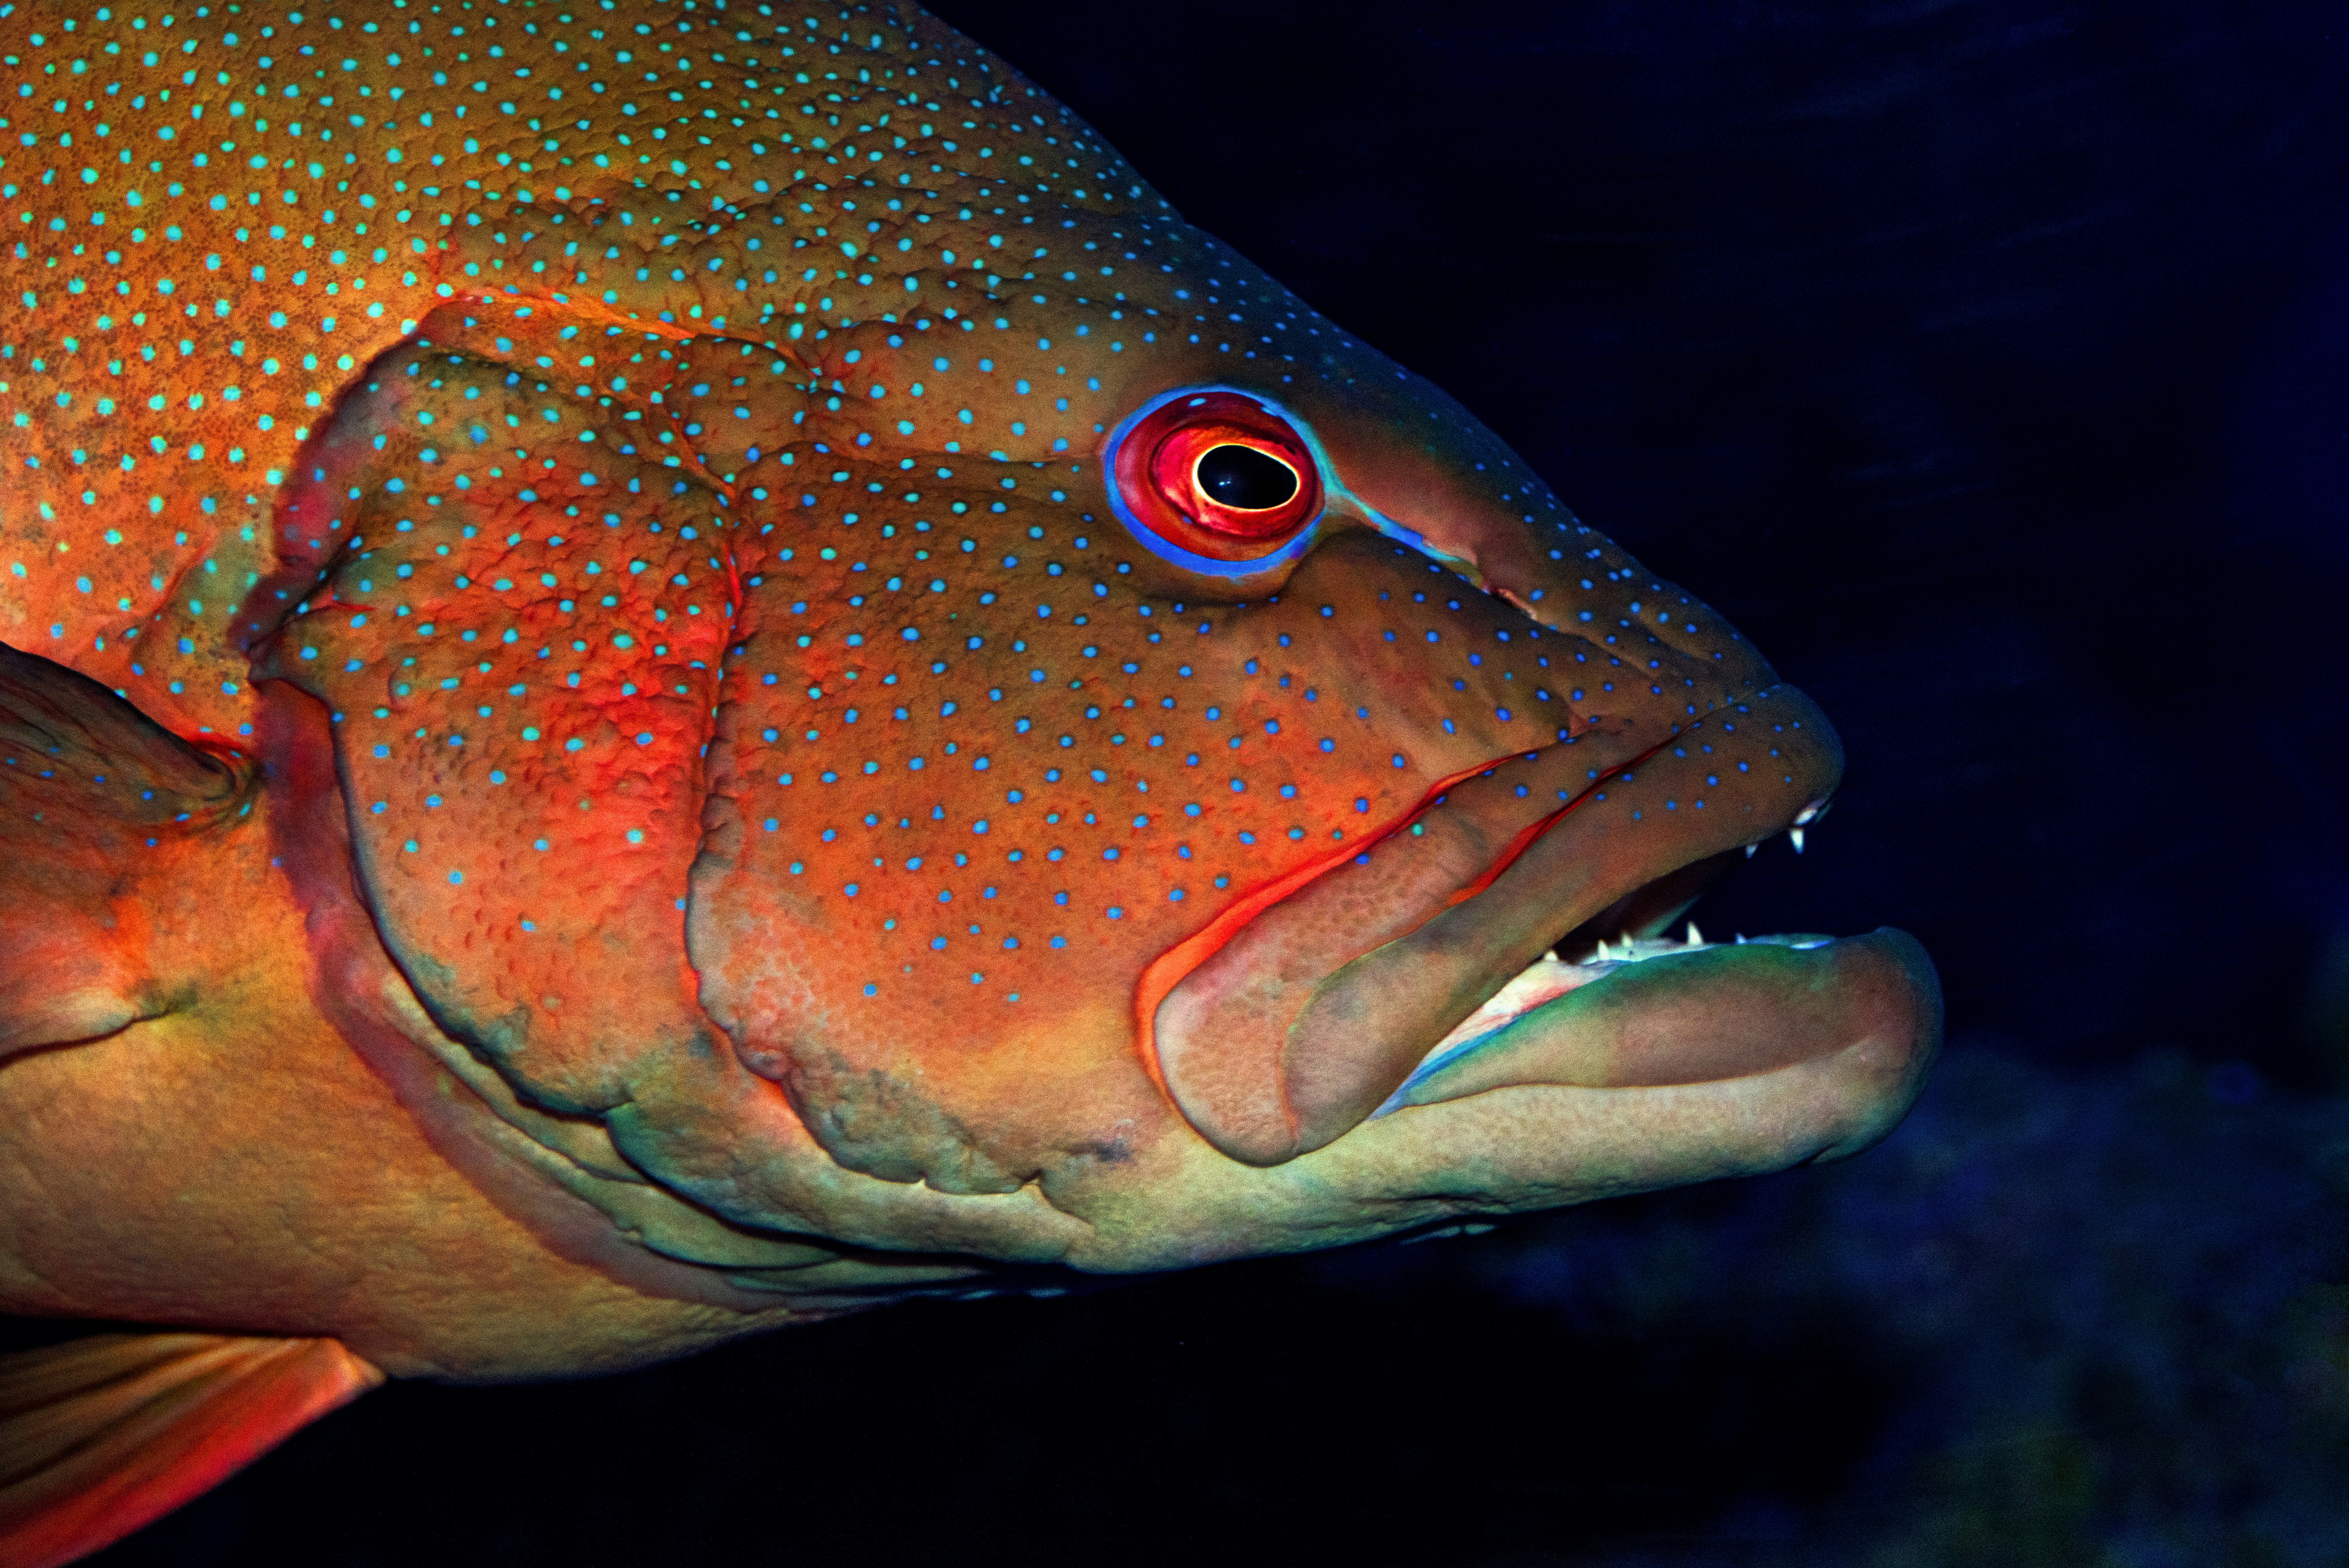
1988	364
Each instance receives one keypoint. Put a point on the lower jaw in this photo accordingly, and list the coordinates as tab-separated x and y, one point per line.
1649	1014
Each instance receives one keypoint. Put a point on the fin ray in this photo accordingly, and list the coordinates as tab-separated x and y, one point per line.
100	1435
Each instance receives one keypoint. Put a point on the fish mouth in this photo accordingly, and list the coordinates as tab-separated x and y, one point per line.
1461	951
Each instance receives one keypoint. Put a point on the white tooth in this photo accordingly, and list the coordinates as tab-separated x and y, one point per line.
1603	951
1750	849
1740	938
1695	939
1795	834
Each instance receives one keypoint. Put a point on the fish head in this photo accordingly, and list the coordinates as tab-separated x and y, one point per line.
1249	718
986	725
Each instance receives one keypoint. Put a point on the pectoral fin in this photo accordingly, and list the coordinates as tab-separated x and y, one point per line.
96	803
100	1435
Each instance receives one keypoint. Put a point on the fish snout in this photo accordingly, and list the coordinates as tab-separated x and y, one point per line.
1405	459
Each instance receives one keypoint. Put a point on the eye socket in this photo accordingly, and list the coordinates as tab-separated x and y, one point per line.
1218	481
1244	478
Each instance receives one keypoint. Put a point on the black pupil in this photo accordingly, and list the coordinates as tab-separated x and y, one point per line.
1244	478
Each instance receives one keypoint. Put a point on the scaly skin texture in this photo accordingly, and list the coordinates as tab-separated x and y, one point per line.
197	1169
632	480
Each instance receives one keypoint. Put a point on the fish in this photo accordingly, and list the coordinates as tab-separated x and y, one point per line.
674	669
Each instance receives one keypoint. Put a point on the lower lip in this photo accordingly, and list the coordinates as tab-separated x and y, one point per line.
1686	1016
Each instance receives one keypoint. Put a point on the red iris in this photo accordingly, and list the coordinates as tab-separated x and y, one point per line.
1219	475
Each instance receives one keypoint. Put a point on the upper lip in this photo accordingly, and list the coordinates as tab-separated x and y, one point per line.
1288	1021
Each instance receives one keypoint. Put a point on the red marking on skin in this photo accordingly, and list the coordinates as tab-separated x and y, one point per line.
1528	836
1170	968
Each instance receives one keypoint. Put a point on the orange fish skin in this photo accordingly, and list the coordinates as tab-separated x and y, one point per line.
767	767
262	1176
262	1179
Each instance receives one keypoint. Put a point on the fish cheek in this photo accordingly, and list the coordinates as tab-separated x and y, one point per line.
870	925
961	796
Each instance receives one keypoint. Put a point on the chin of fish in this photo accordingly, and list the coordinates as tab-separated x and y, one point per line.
674	669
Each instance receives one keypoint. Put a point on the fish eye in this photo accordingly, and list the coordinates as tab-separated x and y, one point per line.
1216	480
1244	478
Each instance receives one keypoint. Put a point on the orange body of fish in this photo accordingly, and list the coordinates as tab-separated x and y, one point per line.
665	668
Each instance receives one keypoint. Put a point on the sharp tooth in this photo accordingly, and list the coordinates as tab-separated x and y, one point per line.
1603	951
1750	849
1795	834
1695	939
1740	938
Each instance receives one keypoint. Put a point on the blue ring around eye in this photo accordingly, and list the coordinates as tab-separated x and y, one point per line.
1191	561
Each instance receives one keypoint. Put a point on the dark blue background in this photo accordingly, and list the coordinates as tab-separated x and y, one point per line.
1985	361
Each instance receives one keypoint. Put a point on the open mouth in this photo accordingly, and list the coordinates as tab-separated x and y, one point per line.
1459	951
